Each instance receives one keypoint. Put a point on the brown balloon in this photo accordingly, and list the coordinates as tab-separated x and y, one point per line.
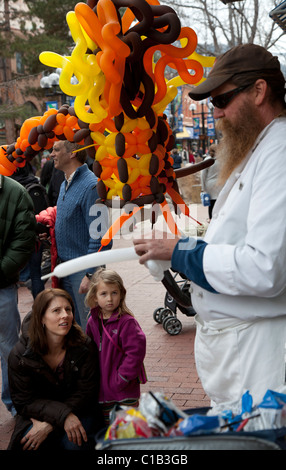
189	170
155	185
63	110
148	98
71	111
171	143
153	142
126	192
81	134
82	124
134	41
10	148
33	136
119	121
40	129
126	105
97	168
50	123
101	189
154	165
122	170
142	200
50	134
162	130
42	140
91	3
120	144
164	16
141	10
159	197
150	117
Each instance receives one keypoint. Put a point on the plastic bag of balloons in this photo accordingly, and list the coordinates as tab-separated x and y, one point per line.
129	423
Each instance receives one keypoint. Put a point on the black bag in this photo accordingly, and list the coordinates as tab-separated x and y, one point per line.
39	196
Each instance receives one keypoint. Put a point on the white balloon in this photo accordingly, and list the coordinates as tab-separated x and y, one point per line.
91	261
157	268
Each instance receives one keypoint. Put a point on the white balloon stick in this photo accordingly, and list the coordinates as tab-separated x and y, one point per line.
91	261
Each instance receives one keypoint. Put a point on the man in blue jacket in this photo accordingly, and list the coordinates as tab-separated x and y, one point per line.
76	213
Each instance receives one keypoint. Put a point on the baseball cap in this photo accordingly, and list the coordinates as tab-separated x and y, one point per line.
236	61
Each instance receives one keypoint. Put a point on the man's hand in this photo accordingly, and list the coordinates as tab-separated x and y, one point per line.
84	285
159	247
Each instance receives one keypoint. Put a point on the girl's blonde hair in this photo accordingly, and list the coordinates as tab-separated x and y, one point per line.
108	277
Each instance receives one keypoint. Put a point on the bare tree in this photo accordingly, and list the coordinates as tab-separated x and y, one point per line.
221	26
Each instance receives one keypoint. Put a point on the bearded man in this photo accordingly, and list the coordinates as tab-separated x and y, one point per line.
238	271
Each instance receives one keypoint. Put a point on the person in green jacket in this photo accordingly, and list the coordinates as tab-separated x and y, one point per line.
17	241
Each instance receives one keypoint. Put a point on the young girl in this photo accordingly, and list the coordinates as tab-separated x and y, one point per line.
120	340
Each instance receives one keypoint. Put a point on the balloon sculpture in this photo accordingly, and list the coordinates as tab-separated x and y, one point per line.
120	97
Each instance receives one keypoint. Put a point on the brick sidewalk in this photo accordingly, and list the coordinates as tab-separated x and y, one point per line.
169	359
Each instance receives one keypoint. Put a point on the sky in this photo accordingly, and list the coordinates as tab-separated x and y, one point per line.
265	6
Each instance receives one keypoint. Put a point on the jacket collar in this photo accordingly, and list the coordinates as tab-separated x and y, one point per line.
95	313
80	170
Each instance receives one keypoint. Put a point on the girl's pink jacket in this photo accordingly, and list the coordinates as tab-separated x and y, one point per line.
119	370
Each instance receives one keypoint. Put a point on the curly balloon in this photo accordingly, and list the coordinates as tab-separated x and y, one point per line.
120	97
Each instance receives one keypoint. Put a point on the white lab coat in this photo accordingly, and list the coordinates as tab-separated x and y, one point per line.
241	331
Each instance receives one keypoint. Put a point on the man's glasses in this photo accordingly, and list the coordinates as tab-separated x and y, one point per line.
221	101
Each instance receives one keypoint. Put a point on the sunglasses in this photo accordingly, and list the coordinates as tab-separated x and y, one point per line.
221	101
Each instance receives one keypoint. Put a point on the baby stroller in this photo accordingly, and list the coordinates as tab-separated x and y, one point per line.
177	297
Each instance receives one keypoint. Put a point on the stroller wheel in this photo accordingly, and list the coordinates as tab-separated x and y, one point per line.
170	314
156	314
164	313
173	326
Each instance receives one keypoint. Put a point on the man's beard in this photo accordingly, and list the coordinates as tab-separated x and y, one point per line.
238	138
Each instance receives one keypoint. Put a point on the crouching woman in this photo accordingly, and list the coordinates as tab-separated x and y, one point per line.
54	379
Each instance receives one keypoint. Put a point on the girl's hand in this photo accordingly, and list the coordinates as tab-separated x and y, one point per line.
74	429
36	435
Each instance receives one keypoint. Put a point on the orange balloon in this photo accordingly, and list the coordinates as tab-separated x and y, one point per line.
176	197
68	132
5	172
61	119
4	162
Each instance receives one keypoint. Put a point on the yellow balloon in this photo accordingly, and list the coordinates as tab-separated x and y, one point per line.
170	95
205	61
90	118
98	137
132	163
129	125
79	56
145	161
134	175
94	98
143	124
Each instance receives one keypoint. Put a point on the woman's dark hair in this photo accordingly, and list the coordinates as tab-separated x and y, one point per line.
37	335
